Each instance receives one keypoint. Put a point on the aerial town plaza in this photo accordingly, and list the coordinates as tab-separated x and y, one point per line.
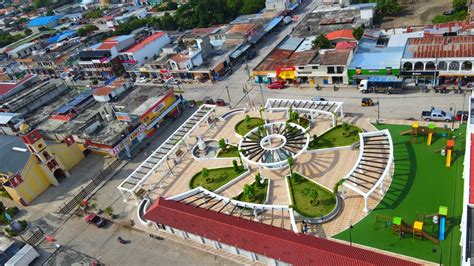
236	132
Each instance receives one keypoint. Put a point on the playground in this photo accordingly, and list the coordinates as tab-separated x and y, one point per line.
423	192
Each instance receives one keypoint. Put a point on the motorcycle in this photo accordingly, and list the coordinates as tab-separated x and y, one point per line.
121	240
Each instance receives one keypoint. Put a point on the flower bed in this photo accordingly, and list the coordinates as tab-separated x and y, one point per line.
244	126
215	178
258	195
230	151
305	203
342	135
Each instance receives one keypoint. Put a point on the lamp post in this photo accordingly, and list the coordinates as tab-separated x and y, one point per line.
440	254
350	234
454	113
228	95
378	111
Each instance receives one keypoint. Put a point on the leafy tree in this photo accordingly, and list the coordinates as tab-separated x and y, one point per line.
236	166
27	32
314	195
167	22
248	191
95	82
459	5
49	12
251	6
358	32
222	144
96	13
247	119
6	38
290	164
166	5
258	179
294	116
205	172
321	42
86	30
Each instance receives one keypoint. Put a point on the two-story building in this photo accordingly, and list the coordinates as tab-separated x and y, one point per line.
439	59
144	49
102	60
328	67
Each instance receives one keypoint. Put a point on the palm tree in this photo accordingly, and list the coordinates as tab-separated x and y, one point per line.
261	110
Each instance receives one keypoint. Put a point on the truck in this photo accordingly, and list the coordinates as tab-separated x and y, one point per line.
437	115
381	84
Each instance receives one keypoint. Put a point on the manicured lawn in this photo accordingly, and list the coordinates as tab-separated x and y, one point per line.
300	193
421	183
336	137
301	121
243	127
259	193
216	178
230	151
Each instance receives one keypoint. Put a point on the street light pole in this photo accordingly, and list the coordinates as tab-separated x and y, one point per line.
454	113
261	92
350	234
378	111
228	95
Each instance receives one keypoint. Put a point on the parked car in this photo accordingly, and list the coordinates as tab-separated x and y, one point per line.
208	100
449	12
220	102
276	85
461	114
143	80
437	115
96	220
318	99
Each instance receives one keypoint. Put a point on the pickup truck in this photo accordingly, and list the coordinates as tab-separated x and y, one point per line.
437	115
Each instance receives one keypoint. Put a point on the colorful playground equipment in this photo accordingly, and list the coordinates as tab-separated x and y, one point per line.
431	130
442	213
417	229
449	151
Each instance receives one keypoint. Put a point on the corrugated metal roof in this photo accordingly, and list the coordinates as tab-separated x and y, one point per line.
12	161
291	43
42	21
271	241
6	117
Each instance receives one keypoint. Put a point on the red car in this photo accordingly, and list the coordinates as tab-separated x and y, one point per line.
96	220
463	114
220	102
276	85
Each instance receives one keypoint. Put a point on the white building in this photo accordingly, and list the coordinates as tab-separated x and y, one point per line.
24	50
145	49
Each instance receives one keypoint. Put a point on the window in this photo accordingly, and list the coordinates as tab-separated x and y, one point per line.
314	67
330	70
301	68
340	69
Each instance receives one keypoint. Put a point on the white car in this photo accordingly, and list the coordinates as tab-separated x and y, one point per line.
318	99
143	80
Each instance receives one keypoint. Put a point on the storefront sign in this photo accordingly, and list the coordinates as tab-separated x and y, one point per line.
124	117
137	133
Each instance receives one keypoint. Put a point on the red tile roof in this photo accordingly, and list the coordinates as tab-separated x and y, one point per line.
346	45
340	34
241	28
274	242
145	42
439	46
7	86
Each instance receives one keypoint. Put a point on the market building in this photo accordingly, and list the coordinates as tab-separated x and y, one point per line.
439	59
30	164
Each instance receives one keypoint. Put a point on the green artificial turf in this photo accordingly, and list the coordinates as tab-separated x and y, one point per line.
216	178
259	193
338	136
300	193
230	152
243	127
421	184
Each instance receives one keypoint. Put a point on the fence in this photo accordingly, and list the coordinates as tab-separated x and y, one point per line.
77	199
